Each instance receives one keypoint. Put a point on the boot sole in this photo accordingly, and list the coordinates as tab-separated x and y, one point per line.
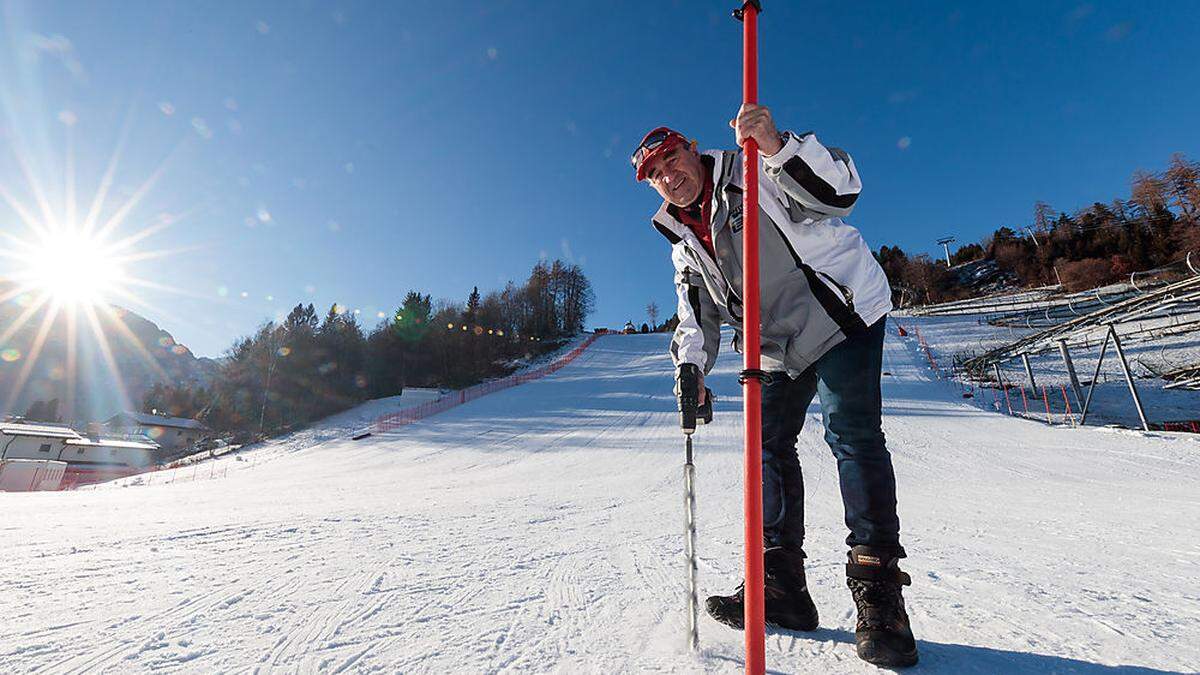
740	625
890	659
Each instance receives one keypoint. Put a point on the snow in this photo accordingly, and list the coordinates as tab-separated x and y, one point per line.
541	528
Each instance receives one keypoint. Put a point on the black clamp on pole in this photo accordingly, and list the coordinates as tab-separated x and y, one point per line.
741	11
755	374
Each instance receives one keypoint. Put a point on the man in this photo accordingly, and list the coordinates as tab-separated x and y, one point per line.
824	304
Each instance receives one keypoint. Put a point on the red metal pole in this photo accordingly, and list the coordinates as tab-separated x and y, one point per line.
1067	404
754	612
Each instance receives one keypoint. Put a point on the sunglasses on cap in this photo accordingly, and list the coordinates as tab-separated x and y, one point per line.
657	140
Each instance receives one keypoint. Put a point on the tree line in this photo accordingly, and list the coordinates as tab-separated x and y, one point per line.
309	366
1099	244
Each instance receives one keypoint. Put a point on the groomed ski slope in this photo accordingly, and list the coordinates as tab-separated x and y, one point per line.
540	529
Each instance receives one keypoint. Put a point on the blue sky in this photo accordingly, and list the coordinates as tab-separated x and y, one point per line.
350	151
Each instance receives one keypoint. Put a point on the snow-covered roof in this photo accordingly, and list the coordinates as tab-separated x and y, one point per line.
151	420
114	443
42	430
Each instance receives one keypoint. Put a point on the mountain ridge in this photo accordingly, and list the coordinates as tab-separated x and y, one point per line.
117	358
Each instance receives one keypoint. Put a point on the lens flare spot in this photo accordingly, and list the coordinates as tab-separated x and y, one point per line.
10	355
201	128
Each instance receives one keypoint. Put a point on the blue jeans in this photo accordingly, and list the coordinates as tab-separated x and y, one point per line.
847	379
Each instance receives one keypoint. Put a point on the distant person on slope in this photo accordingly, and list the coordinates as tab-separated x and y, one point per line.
824	306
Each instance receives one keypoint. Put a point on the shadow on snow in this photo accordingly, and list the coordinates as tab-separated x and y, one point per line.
957	658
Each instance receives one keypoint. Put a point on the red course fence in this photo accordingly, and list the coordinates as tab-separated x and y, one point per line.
924	346
1192	426
76	476
420	412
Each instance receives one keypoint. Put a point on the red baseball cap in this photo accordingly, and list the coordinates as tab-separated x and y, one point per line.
654	144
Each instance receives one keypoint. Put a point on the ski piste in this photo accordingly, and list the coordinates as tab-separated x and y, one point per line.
539	528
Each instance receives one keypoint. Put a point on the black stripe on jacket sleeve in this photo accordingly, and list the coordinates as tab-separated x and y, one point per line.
697	309
816	186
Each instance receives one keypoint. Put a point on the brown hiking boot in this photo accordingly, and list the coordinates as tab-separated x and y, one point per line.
787	602
882	633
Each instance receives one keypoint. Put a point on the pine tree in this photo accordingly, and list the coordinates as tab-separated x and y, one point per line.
411	325
471	315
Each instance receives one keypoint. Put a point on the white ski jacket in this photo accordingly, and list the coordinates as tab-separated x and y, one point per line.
819	282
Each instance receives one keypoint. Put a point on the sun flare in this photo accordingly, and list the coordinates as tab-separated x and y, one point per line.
67	271
74	268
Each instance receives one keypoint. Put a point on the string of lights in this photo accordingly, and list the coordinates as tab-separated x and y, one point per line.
481	330
474	329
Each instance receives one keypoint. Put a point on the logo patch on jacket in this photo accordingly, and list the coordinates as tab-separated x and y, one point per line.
733	197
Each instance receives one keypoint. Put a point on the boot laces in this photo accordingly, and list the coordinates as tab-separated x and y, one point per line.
771	591
880	603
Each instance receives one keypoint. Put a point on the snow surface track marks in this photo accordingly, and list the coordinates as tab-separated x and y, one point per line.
541	529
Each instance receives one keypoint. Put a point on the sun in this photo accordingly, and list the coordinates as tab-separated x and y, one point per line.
74	268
